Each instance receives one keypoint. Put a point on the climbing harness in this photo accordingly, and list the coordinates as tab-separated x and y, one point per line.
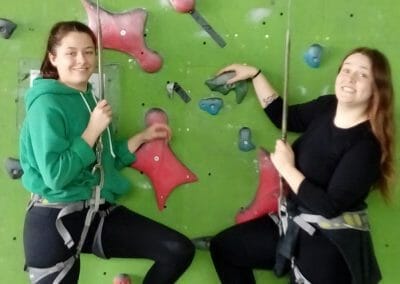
92	206
293	221
356	220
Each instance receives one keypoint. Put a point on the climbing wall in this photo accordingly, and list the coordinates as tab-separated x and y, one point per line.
253	32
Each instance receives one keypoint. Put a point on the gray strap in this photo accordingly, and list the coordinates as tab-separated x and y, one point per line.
181	92
175	87
283	215
304	225
95	202
206	26
69	209
299	277
357	220
33	201
274	218
37	274
88	220
97	247
68	265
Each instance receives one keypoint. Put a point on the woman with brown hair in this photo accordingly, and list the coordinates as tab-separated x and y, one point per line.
345	149
71	166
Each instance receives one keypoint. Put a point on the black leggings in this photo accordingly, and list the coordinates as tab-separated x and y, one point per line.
126	234
238	250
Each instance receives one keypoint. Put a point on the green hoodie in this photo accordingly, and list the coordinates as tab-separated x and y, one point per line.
56	161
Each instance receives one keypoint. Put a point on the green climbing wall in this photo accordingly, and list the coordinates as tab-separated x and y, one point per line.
254	31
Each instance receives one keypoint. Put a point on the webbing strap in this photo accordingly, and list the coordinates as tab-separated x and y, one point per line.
304	225
208	28
37	274
283	215
357	220
93	209
69	209
97	246
299	277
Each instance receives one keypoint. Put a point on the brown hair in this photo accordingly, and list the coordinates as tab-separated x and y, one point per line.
57	33
381	114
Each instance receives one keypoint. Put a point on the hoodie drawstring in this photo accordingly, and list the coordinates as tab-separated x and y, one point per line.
108	128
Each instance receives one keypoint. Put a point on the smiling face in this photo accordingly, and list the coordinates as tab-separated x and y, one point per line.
354	82
75	59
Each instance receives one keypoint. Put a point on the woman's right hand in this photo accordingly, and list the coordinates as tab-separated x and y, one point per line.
100	118
242	72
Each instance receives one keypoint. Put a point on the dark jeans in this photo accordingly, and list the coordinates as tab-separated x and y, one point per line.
126	234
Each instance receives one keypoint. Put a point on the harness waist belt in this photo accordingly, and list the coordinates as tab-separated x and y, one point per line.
357	220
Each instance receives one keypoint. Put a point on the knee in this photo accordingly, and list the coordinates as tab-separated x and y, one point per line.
181	250
187	249
216	244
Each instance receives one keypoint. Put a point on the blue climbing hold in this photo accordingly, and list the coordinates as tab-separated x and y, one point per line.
313	55
211	105
245	143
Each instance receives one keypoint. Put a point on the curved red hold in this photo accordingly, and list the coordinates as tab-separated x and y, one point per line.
266	198
125	32
157	161
183	6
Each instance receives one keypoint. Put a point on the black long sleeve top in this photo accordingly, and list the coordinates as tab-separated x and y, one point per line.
340	165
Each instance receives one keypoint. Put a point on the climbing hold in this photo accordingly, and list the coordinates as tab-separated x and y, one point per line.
266	198
219	84
13	168
211	105
245	143
313	55
183	6
157	161
6	28
175	87
125	32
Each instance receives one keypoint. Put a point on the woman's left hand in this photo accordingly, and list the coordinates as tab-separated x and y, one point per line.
156	131
283	160
152	132
282	157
